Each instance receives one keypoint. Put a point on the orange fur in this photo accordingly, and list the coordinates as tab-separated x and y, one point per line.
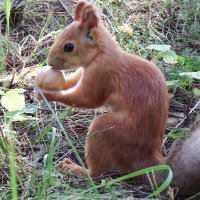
128	137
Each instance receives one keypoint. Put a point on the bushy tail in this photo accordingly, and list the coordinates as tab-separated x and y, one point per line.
184	161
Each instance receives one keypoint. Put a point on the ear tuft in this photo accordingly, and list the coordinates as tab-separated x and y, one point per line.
89	16
79	9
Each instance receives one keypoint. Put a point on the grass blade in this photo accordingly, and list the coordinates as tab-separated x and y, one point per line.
68	139
49	165
13	170
160	189
7	8
2	145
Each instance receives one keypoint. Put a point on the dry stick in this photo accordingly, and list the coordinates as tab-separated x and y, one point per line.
13	77
63	5
193	197
181	122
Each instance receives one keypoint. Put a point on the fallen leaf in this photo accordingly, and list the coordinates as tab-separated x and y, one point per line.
126	29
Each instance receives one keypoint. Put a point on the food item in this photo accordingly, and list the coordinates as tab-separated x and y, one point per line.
50	79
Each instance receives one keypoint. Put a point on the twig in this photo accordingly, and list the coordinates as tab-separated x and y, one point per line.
181	122
63	5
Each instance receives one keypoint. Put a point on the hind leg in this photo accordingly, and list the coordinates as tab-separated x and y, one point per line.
102	144
68	165
114	143
102	152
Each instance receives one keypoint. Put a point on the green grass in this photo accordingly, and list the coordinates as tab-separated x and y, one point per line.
10	146
13	174
28	171
7	8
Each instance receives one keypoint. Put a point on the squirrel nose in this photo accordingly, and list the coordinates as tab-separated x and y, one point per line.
50	60
55	62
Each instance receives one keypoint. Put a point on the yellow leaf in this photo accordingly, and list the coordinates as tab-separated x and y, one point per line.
126	29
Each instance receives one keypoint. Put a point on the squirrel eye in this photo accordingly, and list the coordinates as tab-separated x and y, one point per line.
89	36
68	47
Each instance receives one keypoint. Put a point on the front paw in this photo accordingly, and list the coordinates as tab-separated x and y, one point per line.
41	94
37	94
50	95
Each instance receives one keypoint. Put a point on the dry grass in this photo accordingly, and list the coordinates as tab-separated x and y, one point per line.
152	22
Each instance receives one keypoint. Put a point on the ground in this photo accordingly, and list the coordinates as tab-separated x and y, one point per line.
42	140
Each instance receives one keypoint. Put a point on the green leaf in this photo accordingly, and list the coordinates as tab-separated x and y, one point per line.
57	195
195	75
172	82
13	102
30	108
169	56
159	47
178	129
167	2
1	92
17	116
196	91
180	60
175	135
16	91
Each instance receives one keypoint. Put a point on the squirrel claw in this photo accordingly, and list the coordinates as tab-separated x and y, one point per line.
68	165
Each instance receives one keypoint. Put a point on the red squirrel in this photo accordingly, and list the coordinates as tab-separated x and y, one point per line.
129	136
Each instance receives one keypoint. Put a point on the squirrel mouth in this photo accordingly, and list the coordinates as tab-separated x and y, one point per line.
62	67
66	66
69	66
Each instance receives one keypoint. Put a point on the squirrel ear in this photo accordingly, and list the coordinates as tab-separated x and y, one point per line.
79	9
89	16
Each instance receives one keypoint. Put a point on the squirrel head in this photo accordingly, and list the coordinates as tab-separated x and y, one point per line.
78	44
